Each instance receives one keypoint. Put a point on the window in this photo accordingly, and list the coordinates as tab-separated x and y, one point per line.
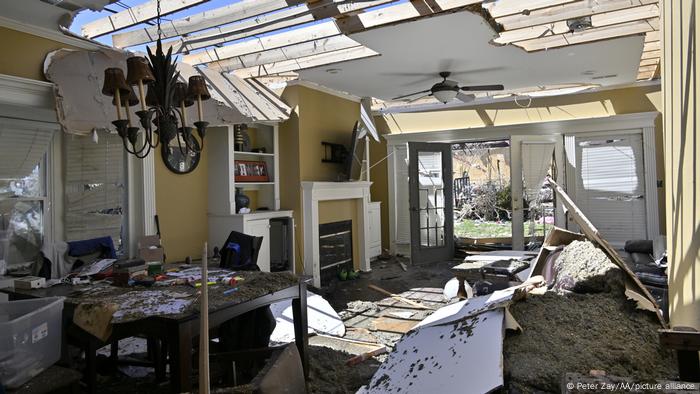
23	149
95	185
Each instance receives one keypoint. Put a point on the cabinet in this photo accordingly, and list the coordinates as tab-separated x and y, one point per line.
374	212
265	219
276	228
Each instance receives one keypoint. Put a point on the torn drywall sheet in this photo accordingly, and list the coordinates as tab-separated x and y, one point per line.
465	356
321	317
78	76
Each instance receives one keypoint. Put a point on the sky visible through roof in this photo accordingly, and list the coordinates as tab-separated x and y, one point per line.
89	16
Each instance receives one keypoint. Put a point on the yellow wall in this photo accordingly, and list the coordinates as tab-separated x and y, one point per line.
181	206
23	54
579	106
681	116
317	117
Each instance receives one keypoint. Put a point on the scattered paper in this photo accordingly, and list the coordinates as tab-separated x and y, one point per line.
136	305
96	267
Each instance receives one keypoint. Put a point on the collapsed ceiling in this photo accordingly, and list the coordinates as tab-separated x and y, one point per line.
274	40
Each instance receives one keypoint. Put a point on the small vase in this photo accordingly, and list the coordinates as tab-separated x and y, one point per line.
242	201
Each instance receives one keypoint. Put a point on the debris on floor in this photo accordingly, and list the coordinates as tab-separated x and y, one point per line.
457	346
330	374
578	333
321	317
583	268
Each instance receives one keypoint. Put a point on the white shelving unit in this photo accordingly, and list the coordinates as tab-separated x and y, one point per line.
275	226
222	157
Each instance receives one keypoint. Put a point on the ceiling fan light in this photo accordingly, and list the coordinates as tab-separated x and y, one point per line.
446	95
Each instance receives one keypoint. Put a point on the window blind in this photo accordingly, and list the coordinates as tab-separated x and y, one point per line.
95	187
610	185
22	146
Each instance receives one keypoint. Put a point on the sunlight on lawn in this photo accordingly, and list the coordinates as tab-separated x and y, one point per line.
483	229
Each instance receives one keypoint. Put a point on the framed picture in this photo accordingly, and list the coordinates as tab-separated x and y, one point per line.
250	171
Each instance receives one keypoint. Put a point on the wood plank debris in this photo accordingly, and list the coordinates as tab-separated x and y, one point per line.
398	297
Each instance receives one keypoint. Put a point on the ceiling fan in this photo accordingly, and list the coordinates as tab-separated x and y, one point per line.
446	91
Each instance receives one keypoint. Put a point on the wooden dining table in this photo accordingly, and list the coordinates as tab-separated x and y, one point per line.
178	327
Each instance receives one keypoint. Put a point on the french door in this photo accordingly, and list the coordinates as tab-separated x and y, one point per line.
430	201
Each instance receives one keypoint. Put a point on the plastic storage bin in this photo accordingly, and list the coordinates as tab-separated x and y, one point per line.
30	338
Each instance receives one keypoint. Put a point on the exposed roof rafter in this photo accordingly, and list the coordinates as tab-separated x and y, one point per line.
241	10
290	17
296	36
343	55
134	15
291	52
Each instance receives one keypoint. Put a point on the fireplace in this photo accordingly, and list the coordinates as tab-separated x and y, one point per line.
335	249
314	192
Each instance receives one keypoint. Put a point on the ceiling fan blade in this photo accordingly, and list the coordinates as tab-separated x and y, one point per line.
402	74
465	98
410	95
476	71
419	97
481	88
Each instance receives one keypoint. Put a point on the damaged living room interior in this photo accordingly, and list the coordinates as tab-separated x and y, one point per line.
349	196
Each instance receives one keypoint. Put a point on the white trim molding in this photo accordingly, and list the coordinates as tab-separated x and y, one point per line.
53	35
314	192
616	122
24	91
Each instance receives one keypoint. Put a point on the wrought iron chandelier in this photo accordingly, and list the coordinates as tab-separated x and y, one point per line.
162	106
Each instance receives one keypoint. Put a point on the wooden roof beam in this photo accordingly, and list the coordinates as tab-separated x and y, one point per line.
563	12
291	52
279	40
519	7
328	58
656	54
561	27
595	34
266	23
134	15
398	13
241	10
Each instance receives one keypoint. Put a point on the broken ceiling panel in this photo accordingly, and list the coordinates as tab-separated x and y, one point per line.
81	106
462	356
554	23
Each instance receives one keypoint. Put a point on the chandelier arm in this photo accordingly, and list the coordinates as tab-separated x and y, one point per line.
141	156
137	152
130	151
187	149
158	112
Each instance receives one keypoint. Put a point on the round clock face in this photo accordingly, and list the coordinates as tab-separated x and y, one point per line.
178	158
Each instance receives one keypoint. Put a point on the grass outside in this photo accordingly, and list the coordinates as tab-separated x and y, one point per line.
482	229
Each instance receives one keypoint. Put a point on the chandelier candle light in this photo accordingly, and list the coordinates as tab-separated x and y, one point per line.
162	105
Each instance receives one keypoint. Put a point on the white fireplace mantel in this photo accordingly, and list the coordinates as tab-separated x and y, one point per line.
312	193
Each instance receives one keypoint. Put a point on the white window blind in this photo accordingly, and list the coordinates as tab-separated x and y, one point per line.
22	146
610	185
95	188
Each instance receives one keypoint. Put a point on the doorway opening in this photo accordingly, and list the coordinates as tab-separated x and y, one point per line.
483	197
